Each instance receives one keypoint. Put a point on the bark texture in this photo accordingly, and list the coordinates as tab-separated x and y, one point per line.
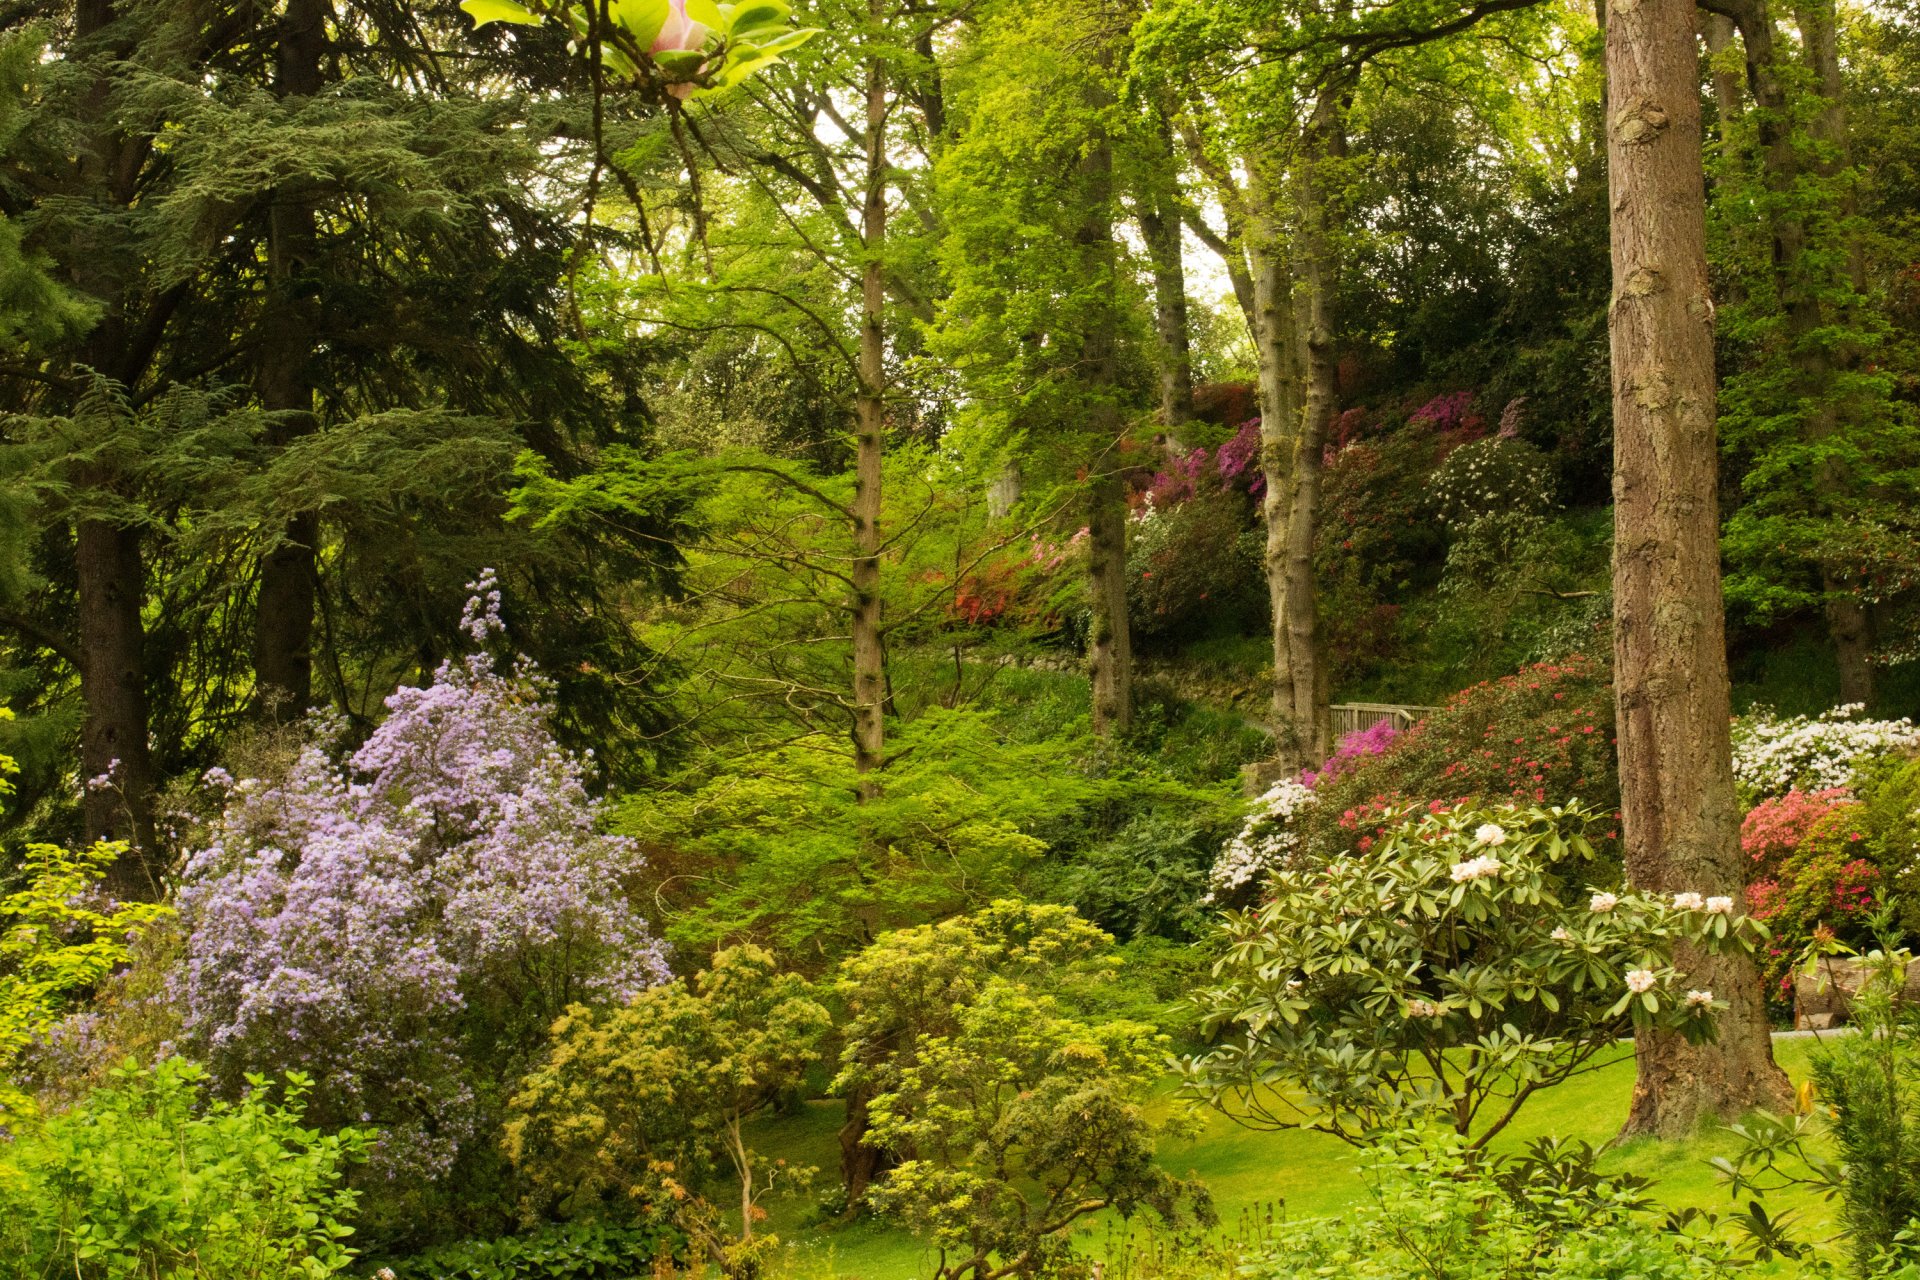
109	570
1159	217
1680	820
869	653
289	572
1110	637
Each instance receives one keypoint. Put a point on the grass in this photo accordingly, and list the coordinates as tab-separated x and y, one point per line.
1253	1174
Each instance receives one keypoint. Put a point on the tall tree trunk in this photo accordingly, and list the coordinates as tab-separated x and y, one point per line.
1160	227
1802	288
1314	185
109	573
1848	621
1277	351
1717	30
869	654
289	573
860	1162
1679	816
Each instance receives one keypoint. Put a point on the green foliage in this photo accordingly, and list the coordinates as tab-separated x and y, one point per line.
148	1178
794	860
57	944
661	46
1860	1141
1194	566
1447	971
1017	1116
636	1109
1440	1210
585	1250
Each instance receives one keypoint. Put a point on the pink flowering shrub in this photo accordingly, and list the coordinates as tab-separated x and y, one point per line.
1775	827
1827	882
1351	750
404	923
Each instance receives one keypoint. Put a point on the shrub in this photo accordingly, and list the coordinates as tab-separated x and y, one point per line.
405	924
59	942
146	1178
641	1107
1267	841
1441	1210
1777	826
1774	755
588	1250
1542	735
1495	476
1455	967
1826	886
1189	564
1020	1122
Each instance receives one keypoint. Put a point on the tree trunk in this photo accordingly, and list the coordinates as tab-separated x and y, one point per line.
109	575
289	573
1160	229
1679	816
1314	185
1110	638
1717	30
1110	644
1276	346
869	655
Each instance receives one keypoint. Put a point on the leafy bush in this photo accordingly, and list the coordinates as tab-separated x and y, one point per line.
1190	565
146	1178
1444	1211
1495	476
59	942
1343	1000
406	924
1020	1120
587	1250
1827	886
639	1108
1542	735
1773	755
1777	826
1148	878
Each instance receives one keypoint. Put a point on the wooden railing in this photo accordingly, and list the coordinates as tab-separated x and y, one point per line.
1351	717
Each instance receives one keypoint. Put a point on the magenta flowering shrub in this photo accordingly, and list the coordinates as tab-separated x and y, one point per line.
403	923
1351	750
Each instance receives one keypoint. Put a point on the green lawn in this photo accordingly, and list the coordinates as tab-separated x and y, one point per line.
1253	1175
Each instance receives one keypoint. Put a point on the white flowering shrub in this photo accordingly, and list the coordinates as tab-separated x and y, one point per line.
1449	971
1773	755
1490	478
1270	836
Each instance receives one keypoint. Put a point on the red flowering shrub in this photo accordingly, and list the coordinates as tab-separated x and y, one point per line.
1194	563
1776	827
1541	736
1825	880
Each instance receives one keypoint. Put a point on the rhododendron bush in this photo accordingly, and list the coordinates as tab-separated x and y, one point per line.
403	921
1463	962
1773	755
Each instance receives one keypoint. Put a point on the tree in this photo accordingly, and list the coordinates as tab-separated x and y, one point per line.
1679	819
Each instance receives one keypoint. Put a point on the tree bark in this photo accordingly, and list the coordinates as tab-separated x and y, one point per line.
1277	350
1159	218
869	654
109	572
1318	213
1110	638
289	573
1679	817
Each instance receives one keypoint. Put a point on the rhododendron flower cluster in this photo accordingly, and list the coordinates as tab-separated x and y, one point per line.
1266	840
1773	756
403	923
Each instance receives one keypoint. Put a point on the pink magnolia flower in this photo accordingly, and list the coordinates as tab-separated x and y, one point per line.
679	34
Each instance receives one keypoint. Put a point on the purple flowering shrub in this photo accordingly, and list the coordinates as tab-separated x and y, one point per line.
1352	749
404	923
